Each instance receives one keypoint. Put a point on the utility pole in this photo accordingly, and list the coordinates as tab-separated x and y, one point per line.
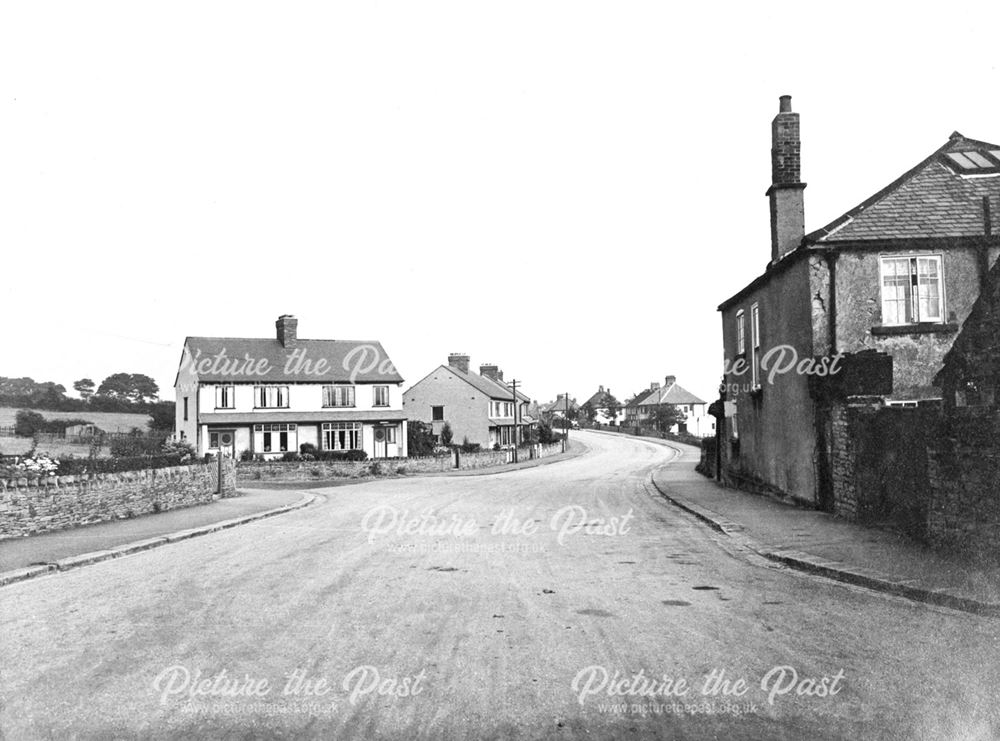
513	385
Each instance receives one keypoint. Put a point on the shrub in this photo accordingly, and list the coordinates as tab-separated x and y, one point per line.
27	423
468	447
341	455
307	448
32	466
446	434
308	457
419	438
136	445
291	457
375	469
181	448
78	466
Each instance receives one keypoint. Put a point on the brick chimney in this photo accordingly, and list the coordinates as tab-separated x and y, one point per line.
288	327
654	386
788	223
669	381
491	371
459	362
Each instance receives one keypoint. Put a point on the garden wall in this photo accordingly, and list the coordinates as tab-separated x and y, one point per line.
30	506
254	471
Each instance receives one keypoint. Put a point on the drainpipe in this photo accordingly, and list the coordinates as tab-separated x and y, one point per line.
984	254
831	264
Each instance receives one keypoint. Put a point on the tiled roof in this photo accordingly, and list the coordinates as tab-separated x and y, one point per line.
672	394
346	361
937	198
559	405
493	389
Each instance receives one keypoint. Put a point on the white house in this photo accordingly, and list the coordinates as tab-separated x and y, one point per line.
694	412
270	396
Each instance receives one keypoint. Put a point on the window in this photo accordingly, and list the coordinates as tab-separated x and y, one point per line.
224	397
341	436
185	409
270	397
338	396
754	345
381	396
390	435
437	414
741	339
213	439
911	290
275	437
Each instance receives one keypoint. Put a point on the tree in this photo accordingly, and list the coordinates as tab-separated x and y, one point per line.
419	438
446	434
665	416
84	387
611	407
133	387
162	415
27	423
589	413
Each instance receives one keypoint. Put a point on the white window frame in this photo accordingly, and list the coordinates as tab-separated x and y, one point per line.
755	344
913	299
339	395
352	438
270	397
378	391
225	397
741	333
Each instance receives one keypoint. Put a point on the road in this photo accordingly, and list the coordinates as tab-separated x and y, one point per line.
480	607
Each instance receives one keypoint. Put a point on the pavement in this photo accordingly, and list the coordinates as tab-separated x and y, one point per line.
824	544
21	558
556	602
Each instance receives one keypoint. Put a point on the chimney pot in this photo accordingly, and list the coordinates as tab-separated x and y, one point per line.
670	380
785	104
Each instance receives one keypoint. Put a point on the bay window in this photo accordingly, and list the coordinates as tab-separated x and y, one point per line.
341	436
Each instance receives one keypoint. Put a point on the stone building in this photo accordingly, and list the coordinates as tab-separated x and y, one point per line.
893	278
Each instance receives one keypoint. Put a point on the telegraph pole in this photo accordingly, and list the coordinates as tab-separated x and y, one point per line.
513	385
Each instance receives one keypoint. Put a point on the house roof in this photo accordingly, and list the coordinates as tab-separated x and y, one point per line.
981	329
599	399
942	196
218	359
493	389
559	405
672	394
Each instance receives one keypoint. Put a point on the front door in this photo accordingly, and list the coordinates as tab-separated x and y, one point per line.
381	443
227	443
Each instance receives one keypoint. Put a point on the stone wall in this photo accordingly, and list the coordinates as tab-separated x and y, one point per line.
964	471
322	470
30	506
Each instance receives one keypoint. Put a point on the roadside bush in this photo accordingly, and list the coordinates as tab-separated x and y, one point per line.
246	455
79	466
341	455
307	448
468	447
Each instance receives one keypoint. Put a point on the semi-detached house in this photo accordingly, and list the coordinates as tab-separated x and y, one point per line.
268	396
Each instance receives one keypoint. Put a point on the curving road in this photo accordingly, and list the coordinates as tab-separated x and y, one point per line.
564	601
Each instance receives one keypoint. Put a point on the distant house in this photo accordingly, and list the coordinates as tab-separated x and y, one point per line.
692	410
269	396
607	407
561	408
479	407
892	279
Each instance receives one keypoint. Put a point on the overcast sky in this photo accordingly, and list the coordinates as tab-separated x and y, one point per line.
566	189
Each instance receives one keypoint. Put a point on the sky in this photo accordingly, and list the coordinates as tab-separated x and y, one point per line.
565	189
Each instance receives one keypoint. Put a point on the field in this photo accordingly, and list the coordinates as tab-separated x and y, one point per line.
107	421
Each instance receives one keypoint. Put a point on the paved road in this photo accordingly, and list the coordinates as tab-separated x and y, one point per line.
481	631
